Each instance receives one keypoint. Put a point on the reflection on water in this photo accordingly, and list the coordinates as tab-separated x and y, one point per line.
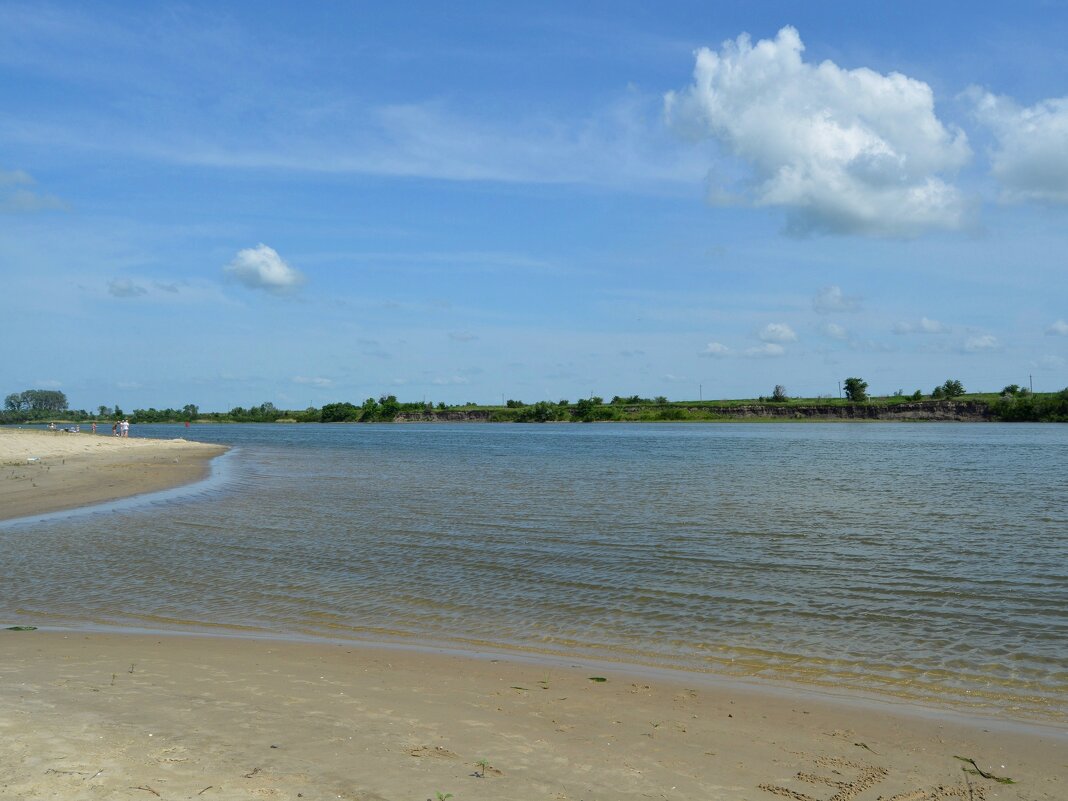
926	561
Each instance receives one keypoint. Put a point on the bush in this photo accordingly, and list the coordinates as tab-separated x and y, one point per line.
856	389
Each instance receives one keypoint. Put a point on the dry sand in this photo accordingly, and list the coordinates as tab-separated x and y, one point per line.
49	471
127	716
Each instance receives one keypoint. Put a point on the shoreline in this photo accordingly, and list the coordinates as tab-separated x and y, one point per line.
46	472
91	714
858	698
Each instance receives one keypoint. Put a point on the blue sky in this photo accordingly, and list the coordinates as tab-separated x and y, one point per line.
230	204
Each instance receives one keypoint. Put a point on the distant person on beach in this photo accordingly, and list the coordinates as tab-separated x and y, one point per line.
94	428
115	429
126	428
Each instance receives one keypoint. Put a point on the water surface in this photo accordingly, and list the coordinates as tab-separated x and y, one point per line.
928	562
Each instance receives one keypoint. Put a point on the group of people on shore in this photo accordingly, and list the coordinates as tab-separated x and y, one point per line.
120	428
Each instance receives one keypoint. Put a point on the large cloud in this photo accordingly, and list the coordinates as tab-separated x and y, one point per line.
844	151
262	268
1030	158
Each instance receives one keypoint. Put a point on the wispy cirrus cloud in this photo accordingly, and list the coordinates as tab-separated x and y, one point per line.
924	325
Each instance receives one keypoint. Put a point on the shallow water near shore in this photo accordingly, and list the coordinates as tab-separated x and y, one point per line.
927	562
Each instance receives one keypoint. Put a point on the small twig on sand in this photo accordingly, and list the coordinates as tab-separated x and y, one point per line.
865	745
983	773
146	787
254	772
205	789
94	775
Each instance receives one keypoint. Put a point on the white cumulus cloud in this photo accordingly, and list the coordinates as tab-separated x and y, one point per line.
980	343
832	299
262	268
715	349
777	332
1030	157
1059	328
843	150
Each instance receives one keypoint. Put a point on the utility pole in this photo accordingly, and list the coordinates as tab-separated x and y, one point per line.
839	390
1031	383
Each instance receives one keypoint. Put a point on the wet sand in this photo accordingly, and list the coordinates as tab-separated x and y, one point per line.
50	471
90	715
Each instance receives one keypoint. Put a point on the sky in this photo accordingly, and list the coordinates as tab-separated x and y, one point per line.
229	204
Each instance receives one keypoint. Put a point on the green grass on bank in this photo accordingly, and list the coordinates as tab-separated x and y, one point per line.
1049	406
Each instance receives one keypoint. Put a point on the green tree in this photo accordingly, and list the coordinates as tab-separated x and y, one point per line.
952	388
540	412
388	407
339	413
779	395
856	389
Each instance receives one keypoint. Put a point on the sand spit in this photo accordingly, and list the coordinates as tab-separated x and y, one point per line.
88	715
46	471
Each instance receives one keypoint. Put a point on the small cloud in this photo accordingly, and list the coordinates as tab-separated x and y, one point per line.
449	381
462	336
1058	329
834	331
715	350
766	350
831	299
125	288
777	332
981	343
674	379
47	383
923	326
631	354
129	385
262	268
162	287
315	381
17	197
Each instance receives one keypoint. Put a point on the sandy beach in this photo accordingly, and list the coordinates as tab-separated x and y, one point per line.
49	471
89	715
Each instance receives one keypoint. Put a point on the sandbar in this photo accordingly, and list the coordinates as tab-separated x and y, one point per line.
118	715
50	471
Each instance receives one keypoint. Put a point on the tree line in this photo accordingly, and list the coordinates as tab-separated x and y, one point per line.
1014	403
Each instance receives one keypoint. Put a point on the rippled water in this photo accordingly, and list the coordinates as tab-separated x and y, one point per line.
924	561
